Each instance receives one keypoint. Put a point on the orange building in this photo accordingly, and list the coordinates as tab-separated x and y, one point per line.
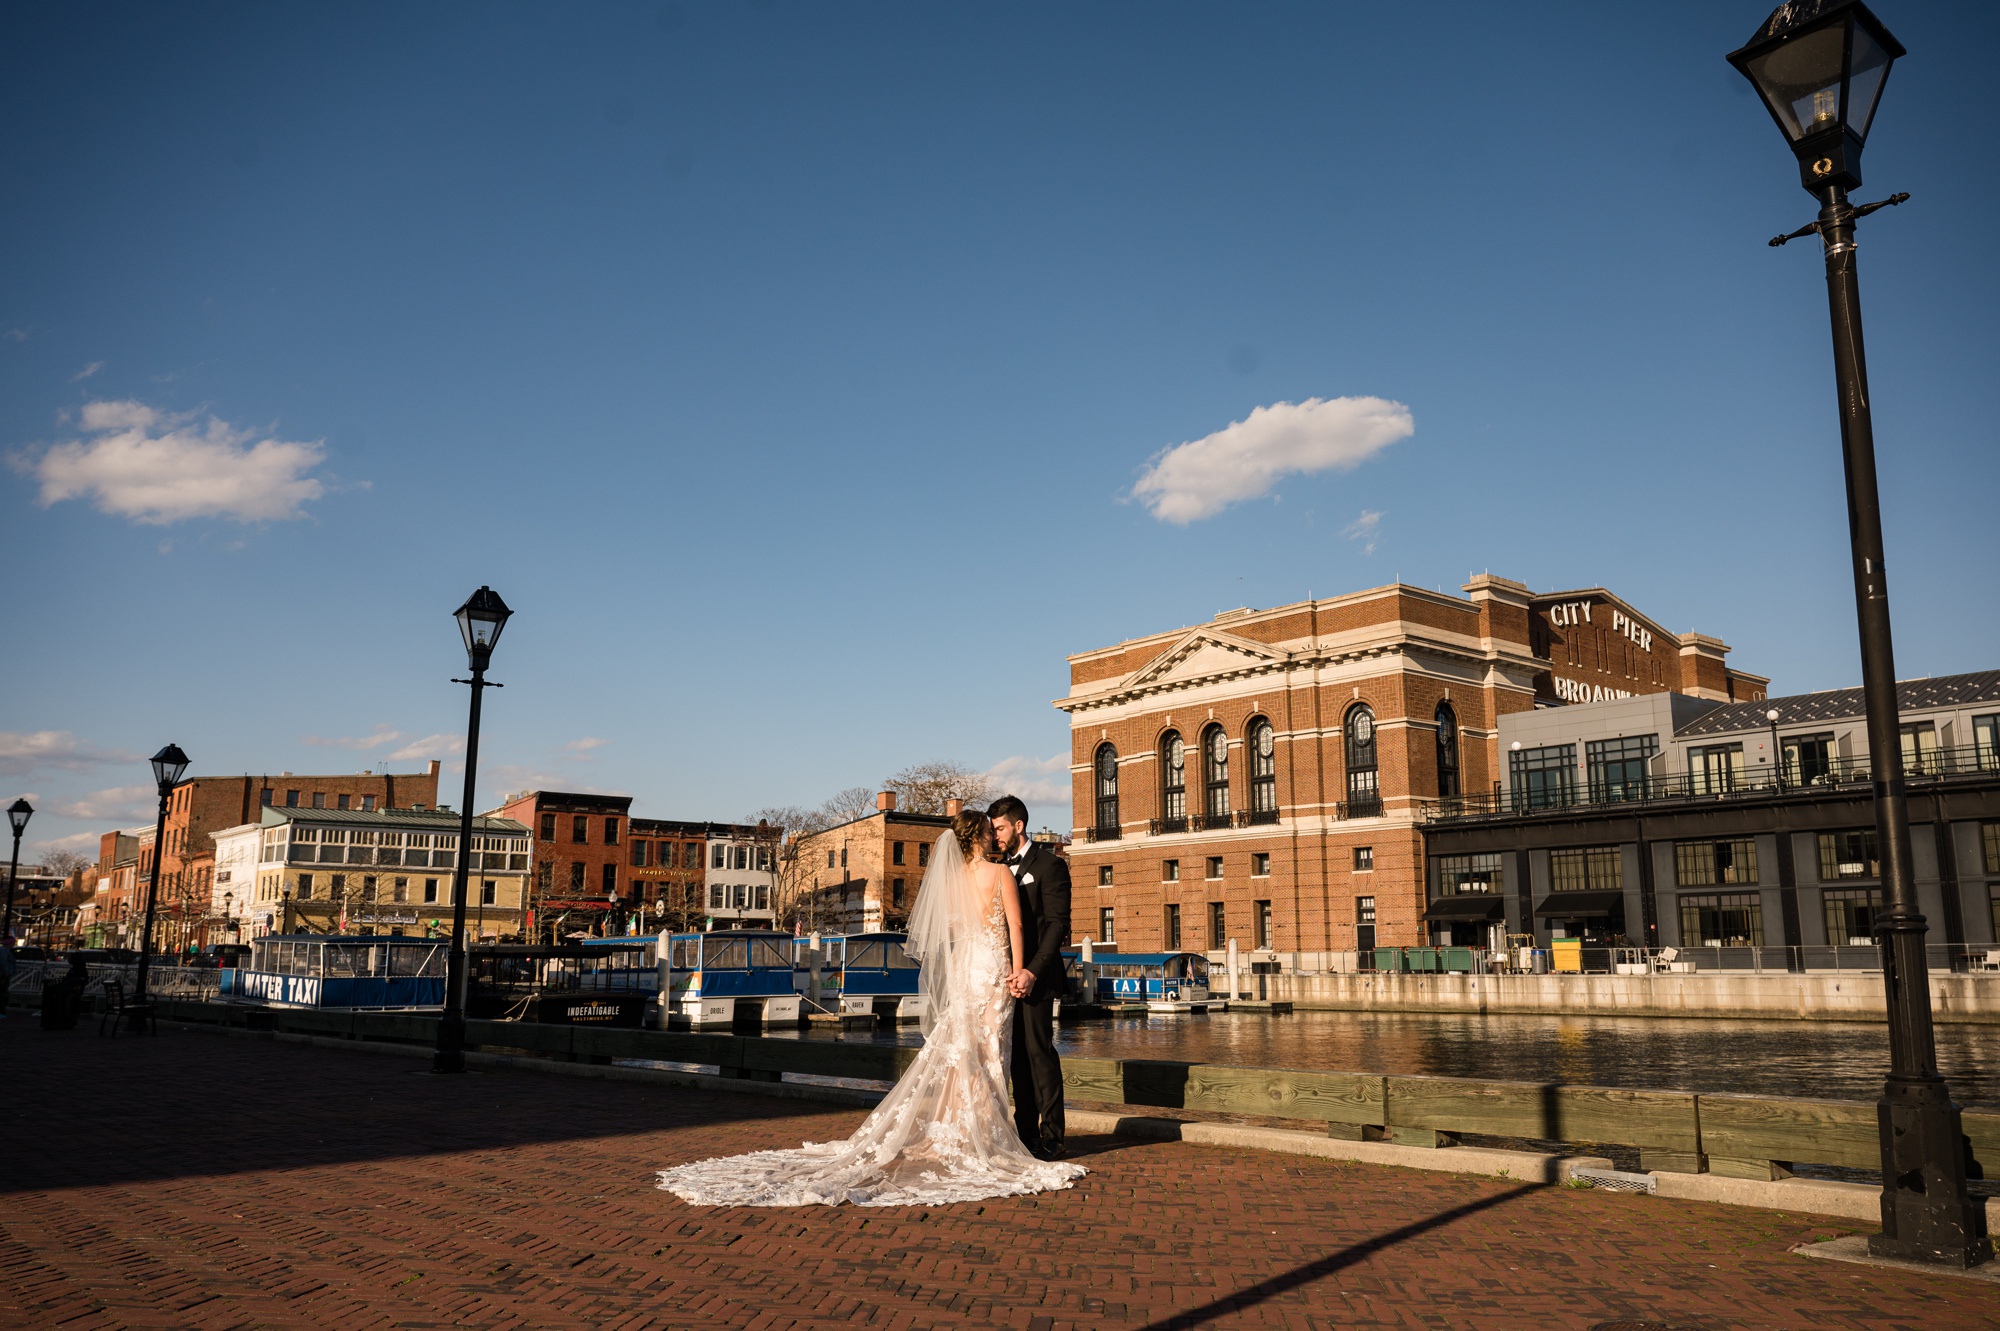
1264	777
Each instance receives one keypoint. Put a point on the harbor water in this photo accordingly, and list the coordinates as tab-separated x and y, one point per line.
1823	1060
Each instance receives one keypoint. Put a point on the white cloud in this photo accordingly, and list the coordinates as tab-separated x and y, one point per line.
120	804
582	747
1245	460
152	467
430	746
383	735
32	750
1043	783
84	842
86	372
1365	529
19	334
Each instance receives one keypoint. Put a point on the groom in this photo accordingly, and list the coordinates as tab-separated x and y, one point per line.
1044	879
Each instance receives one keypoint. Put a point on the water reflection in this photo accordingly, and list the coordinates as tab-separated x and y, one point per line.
1824	1060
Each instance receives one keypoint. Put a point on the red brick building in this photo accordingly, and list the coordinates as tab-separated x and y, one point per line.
1264	777
580	856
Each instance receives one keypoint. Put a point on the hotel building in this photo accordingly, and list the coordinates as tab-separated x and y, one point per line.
1267	776
1674	821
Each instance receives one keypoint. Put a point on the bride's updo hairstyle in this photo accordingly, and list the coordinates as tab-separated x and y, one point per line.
971	828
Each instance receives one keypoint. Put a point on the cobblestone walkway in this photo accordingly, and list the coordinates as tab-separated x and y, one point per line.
205	1181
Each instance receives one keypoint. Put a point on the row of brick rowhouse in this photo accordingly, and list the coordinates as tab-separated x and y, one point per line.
1265	777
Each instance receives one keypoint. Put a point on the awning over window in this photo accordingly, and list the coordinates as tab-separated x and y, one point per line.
1468	906
1580	905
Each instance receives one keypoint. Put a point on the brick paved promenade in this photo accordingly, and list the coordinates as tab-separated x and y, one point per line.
202	1180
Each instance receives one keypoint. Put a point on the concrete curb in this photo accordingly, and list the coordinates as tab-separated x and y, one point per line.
1814	1196
1854	1248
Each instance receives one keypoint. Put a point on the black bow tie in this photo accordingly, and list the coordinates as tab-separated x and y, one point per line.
1017	857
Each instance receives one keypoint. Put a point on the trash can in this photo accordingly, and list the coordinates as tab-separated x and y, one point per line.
1390	959
1567	953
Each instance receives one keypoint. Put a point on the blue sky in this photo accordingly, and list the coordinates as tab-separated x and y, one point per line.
790	368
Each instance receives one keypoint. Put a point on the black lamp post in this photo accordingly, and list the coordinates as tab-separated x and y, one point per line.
480	621
168	766
18	813
1777	754
1820	65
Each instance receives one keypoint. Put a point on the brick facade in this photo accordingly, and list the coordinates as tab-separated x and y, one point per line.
1302	834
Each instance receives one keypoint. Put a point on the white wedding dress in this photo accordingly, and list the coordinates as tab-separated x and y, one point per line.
945	1133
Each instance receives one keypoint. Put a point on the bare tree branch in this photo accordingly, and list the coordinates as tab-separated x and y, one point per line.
926	787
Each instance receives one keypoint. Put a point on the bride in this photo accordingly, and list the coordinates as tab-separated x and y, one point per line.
945	1133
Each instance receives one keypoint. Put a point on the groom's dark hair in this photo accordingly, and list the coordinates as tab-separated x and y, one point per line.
1008	806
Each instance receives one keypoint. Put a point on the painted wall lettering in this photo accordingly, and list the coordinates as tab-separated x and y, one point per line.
1563	614
1572	690
1622	623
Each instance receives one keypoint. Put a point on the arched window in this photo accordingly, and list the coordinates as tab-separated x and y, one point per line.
1107	793
1364	791
1173	782
1215	775
1447	737
1263	746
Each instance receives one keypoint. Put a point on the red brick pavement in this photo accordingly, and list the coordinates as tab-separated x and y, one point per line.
205	1181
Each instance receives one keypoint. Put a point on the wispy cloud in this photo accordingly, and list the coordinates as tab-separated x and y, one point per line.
86	372
19	334
34	750
383	735
85	842
1364	529
149	466
582	747
430	746
120	804
1246	459
1042	782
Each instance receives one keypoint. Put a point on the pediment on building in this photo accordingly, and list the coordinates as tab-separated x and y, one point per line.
1202	654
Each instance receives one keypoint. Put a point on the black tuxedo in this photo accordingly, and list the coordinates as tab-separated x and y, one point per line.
1043	876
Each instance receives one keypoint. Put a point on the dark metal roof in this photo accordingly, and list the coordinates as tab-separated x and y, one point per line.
1580	905
1468	906
1912	695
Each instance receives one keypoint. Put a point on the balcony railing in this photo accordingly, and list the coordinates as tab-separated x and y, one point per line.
1166	826
1214	822
1260	817
1101	834
1841	773
1362	806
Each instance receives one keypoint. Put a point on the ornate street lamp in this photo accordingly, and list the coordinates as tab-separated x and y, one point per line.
18	813
1820	66
480	621
169	764
1777	754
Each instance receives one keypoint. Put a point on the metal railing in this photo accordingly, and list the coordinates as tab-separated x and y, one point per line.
1842	773
1698	959
1166	826
1102	834
1366	806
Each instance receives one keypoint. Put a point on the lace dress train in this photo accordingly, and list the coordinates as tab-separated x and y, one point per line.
944	1134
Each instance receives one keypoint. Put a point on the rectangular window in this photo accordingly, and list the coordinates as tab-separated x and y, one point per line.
1170	871
720	859
579	830
1726	919
1850	915
431	890
548	827
305	887
1364	858
576	876
291	799
610	831
1920	748
1215	866
1618	767
1989	838
368	887
487	893
763	896
715	897
1702	863
337	884
1107	926
344	799
896	893
368	804
319	799
1261	917
1808	759
1104	875
1986	743
1459	874
1218	927
1993	907
1848	855
264	797
639	853
739	895
740	857
1544	778
610	879
1170	929
896	853
1715	769
1588	869
1260	865
923	854
402	890
829	860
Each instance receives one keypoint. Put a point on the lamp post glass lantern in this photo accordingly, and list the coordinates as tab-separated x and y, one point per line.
18	814
169	765
480	621
1820	66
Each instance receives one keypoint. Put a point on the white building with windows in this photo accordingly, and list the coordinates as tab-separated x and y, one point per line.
741	880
